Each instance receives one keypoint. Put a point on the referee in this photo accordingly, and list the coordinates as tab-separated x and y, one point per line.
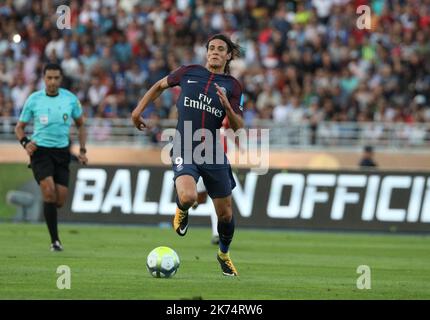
51	111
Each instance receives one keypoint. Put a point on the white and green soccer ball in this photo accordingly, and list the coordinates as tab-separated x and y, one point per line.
162	262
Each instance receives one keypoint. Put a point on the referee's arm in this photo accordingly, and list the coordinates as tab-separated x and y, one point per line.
27	144
82	136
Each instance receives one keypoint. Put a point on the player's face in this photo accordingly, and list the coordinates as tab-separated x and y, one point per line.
217	54
52	81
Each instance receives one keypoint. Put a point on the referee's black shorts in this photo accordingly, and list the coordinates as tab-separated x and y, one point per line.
53	162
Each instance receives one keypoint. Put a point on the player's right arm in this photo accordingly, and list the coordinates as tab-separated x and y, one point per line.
153	93
26	115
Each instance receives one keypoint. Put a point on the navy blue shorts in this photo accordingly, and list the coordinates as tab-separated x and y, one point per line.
219	182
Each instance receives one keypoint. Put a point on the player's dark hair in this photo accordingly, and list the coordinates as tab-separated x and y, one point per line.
52	66
232	48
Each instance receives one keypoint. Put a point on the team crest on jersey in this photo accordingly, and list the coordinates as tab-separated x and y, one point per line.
65	117
223	90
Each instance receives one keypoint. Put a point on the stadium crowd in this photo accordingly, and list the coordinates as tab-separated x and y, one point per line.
302	60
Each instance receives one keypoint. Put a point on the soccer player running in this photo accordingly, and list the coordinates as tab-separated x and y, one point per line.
52	111
202	193
208	95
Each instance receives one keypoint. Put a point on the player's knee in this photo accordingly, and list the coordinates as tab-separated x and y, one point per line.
60	201
187	199
50	197
49	194
224	213
225	216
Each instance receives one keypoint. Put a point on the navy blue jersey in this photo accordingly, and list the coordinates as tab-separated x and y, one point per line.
199	107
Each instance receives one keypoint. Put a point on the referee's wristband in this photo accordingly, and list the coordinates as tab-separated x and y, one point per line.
24	141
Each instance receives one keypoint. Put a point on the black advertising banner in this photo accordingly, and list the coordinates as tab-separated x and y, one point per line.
301	199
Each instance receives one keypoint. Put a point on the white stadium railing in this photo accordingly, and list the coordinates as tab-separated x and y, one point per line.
282	135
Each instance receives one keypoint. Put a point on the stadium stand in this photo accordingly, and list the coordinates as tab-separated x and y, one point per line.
305	63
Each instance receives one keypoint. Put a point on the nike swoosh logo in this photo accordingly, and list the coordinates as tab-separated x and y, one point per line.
192	81
182	231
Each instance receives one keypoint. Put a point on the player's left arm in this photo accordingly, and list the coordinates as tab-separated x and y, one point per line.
234	115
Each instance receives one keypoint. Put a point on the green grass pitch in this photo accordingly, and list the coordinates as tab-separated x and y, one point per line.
108	262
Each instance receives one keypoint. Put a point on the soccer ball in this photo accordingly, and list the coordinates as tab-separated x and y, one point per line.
162	262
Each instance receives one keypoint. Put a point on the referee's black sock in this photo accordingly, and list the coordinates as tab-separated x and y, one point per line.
225	231
50	213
